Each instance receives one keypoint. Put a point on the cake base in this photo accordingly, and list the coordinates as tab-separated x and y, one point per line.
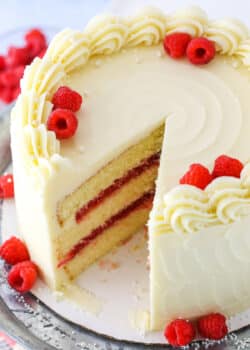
114	288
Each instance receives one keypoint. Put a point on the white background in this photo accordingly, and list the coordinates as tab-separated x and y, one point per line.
75	13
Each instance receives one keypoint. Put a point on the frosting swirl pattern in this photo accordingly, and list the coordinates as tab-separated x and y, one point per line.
34	110
42	76
147	29
227	35
191	20
228	199
107	34
40	142
243	52
245	175
187	209
69	48
43	150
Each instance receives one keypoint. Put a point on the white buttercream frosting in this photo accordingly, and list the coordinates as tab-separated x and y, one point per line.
227	35
70	48
229	199
243	52
42	76
148	28
188	209
107	34
192	275
245	175
33	109
192	20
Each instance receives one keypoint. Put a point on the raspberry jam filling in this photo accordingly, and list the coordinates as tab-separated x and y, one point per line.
116	185
144	201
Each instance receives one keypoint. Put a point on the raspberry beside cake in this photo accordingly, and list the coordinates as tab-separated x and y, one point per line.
78	198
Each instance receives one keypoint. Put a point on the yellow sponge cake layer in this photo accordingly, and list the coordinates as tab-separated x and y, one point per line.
90	189
109	207
114	235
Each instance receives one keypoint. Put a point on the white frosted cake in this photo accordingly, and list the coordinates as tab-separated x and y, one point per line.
142	110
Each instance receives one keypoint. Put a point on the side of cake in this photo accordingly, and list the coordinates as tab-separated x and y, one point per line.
78	198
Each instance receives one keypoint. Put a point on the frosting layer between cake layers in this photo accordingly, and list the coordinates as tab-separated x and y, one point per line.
130	90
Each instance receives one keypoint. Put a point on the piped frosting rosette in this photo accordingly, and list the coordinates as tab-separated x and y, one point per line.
187	209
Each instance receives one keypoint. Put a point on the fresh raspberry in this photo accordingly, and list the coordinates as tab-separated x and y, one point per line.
14	251
36	41
66	98
6	186
179	332
175	44
197	175
19	71
11	77
2	63
16	92
6	95
227	166
212	326
42	52
4	338
200	50
63	122
22	276
18	56
8	78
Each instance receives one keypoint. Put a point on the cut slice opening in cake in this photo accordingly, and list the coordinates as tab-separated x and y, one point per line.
121	194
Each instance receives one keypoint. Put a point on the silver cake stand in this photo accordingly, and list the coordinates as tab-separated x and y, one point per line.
37	327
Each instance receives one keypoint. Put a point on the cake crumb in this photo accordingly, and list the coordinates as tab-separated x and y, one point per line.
108	265
98	62
81	149
140	321
126	241
159	53
137	246
58	295
83	299
145	232
235	63
138	60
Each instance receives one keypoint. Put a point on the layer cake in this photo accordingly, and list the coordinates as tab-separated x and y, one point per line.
79	198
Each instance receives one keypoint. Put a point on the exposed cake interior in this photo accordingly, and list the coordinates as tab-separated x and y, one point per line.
117	199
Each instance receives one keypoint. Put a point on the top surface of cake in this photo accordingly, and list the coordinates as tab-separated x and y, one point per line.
130	87
156	87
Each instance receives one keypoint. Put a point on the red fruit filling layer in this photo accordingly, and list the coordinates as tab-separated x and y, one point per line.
116	185
144	201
